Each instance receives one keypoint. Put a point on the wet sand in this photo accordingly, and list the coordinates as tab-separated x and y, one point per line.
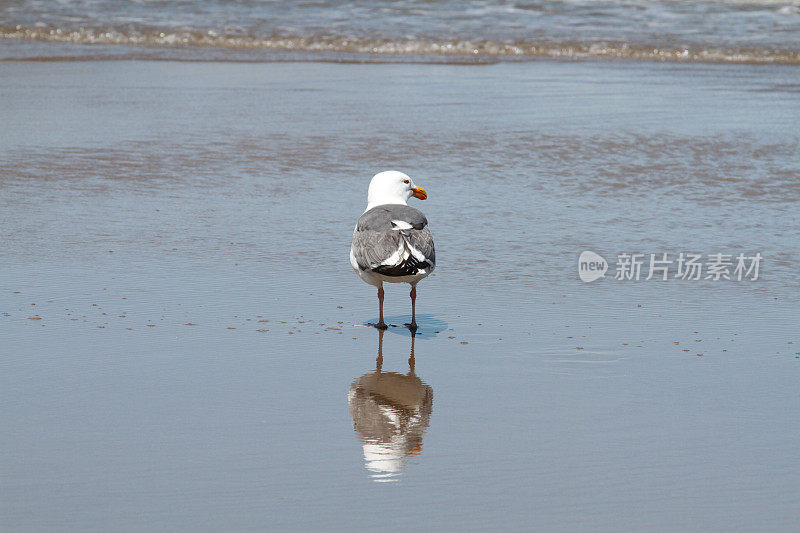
181	340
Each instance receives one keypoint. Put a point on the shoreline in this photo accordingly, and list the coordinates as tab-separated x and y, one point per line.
48	50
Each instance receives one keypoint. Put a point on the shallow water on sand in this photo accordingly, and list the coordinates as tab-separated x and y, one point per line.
181	344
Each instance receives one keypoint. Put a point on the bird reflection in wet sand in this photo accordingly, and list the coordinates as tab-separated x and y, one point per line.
390	413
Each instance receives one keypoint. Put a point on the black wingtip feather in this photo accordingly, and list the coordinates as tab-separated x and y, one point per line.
409	267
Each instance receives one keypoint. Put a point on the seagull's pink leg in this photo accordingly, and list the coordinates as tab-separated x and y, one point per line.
381	324
413	325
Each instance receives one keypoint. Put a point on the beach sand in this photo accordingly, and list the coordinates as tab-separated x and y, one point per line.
181	327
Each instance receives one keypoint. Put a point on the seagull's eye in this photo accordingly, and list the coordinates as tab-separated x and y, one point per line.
406	181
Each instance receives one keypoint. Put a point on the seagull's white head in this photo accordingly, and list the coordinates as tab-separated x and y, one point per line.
392	187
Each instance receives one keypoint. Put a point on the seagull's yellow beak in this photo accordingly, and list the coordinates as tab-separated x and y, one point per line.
420	193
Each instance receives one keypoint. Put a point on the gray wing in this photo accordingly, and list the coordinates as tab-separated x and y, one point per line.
394	240
372	248
422	240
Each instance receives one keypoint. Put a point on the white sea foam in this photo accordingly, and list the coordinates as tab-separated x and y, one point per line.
446	51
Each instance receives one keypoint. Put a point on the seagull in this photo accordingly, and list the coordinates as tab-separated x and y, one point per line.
391	241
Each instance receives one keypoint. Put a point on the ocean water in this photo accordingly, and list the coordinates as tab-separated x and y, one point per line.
481	31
